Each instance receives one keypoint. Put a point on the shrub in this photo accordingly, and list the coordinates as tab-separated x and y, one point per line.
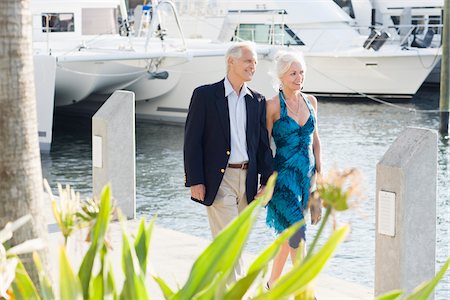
209	273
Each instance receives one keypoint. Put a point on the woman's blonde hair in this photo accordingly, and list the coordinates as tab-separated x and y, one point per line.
284	60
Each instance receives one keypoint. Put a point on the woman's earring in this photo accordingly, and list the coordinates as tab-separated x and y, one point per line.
281	86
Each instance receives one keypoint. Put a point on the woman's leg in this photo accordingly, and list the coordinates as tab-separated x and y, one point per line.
278	263
294	242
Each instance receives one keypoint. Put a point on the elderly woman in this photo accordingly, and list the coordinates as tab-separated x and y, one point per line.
292	122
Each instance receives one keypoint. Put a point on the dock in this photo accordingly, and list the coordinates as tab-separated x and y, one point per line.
172	254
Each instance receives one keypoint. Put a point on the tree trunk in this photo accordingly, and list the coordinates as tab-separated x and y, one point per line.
21	189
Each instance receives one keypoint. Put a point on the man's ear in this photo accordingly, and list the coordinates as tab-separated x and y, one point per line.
230	61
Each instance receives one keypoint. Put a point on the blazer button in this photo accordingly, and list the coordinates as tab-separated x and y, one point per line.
228	152
222	171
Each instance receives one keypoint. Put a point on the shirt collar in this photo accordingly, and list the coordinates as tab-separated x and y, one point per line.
229	88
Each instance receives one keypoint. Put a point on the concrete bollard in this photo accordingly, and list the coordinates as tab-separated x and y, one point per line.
113	150
406	212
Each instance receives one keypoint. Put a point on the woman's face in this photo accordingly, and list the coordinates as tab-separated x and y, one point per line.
293	78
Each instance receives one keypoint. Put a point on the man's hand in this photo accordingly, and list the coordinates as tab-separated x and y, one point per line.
198	192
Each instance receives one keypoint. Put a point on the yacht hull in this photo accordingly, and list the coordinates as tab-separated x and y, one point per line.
383	76
77	80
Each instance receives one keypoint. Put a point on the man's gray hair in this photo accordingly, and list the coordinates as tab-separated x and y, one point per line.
235	51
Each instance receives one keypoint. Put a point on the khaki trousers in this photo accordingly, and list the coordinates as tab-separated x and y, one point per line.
230	201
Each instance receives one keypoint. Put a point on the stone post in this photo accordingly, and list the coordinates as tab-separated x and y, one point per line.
406	185
113	151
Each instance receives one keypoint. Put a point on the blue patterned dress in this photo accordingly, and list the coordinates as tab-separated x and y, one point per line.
295	164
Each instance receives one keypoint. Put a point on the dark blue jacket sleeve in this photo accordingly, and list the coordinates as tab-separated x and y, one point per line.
193	140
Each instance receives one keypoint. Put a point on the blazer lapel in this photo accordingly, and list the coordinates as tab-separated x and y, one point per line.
223	112
251	105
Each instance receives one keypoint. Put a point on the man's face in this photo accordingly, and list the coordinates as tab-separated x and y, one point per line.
243	67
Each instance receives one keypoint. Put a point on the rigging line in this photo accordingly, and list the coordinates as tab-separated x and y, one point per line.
85	43
380	100
435	58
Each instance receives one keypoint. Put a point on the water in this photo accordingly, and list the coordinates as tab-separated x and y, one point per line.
353	134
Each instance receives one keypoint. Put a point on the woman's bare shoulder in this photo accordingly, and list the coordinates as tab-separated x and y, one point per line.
273	102
312	99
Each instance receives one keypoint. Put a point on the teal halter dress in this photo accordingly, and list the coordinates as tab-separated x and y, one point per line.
295	164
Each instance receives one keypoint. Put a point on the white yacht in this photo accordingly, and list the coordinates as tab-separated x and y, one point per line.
341	59
85	51
79	50
416	23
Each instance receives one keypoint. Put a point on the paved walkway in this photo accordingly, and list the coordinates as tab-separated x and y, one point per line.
172	254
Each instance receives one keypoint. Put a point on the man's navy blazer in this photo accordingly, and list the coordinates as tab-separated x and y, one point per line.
207	141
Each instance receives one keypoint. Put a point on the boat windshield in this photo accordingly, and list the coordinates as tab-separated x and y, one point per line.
273	34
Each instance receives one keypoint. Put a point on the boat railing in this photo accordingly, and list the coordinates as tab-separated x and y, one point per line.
50	22
155	24
372	37
54	27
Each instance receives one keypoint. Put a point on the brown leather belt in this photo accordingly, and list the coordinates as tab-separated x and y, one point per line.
243	166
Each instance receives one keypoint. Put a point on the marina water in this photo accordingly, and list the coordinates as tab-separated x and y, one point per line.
353	134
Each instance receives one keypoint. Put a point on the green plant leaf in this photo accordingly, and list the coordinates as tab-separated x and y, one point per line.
142	243
268	190
110	286
97	239
210	291
69	284
238	290
44	281
110	291
297	279
165	289
96	287
22	285
134	285
221	255
424	290
393	295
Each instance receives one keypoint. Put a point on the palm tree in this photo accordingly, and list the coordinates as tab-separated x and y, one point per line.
21	189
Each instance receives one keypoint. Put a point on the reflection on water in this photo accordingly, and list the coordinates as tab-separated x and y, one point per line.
354	134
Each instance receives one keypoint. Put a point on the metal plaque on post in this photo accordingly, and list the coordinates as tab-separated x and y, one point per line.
386	213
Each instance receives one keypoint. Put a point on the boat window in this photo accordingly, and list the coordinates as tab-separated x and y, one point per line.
346	6
95	21
267	34
57	22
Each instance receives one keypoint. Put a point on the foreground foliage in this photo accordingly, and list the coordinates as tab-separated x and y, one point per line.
208	277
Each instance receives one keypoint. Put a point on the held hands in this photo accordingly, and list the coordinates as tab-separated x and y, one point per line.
198	192
260	191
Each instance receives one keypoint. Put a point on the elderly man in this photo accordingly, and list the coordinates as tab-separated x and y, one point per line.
226	143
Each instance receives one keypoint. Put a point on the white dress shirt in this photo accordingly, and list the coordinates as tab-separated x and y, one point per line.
238	122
